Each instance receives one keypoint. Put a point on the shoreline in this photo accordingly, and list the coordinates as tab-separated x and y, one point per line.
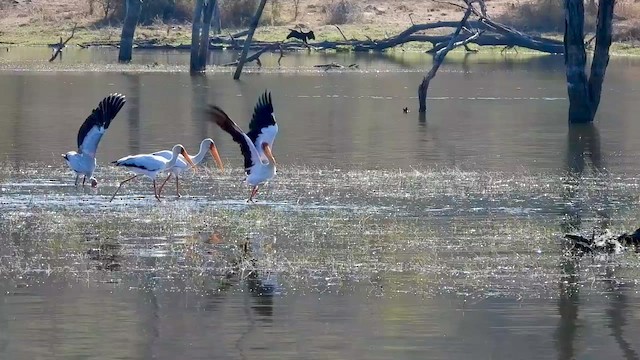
178	37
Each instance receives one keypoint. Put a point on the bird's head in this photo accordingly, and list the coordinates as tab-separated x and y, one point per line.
69	155
179	150
267	151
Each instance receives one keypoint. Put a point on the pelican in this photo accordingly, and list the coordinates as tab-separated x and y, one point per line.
150	165
83	162
181	165
260	165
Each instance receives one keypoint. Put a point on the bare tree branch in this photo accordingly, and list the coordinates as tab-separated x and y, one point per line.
58	47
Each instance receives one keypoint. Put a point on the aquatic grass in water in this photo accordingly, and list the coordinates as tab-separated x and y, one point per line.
424	232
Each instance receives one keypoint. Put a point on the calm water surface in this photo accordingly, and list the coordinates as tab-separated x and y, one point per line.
384	235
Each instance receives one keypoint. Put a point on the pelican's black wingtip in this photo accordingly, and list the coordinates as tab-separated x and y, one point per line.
265	100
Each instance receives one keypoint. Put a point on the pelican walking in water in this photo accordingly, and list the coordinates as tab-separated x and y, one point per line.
83	162
259	163
181	165
150	165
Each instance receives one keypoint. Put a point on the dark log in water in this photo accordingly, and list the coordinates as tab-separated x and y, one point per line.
603	243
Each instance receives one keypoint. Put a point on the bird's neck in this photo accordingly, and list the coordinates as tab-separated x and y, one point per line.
172	161
200	155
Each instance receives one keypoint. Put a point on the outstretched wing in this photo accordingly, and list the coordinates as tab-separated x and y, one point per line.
251	156
263	127
98	122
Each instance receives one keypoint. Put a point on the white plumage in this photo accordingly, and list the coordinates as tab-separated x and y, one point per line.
150	165
83	162
259	163
181	165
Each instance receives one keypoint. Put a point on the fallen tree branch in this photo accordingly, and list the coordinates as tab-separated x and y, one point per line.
495	34
61	45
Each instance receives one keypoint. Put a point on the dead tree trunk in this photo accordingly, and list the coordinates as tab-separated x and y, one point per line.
128	30
196	27
247	43
584	93
437	61
203	51
202	16
217	23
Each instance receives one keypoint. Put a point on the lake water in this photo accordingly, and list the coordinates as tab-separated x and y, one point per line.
384	234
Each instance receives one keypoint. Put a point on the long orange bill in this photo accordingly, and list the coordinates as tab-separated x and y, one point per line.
214	152
267	152
188	158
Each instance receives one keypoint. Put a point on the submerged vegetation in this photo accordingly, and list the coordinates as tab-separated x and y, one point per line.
425	232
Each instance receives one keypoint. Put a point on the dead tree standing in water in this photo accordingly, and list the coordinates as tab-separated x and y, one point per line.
128	30
247	43
203	13
584	93
439	58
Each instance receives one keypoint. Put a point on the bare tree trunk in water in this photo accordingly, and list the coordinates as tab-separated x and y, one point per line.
128	30
203	53
195	34
217	23
203	12
584	93
437	61
247	43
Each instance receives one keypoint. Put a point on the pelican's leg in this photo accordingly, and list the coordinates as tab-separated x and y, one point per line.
164	182
177	187
154	190
77	179
122	183
84	178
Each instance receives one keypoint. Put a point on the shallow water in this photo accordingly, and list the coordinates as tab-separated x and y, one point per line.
383	235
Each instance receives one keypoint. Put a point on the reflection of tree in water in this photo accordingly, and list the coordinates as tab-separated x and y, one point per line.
616	314
583	148
568	309
199	101
133	103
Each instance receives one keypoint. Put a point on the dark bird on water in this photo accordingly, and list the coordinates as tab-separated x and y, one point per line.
300	35
405	110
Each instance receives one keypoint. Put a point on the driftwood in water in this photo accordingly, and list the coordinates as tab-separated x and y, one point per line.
603	243
334	65
61	45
